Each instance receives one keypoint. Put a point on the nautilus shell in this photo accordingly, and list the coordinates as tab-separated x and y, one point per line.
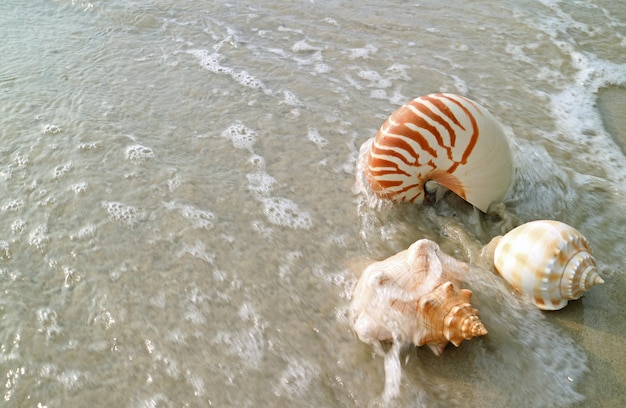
441	140
415	297
549	261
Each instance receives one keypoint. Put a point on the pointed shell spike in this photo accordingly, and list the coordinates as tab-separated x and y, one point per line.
597	280
447	313
462	322
440	140
547	260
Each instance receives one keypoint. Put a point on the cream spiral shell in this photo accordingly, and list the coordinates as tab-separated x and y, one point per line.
549	261
444	138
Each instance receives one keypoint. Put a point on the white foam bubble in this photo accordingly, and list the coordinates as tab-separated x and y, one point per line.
126	214
88	231
13	205
245	79
71	276
51	129
369	75
303	46
376	79
260	183
200	218
17	226
396	99
284	212
314	136
363	52
378	94
48	322
398	71
61	171
174	182
242	136
291	99
322	68
38	237
210	61
138	153
79	187
20	160
198	250
257	161
89	146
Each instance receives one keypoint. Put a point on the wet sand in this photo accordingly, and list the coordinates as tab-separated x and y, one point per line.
612	106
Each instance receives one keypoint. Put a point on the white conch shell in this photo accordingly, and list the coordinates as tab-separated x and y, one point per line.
414	297
446	140
547	260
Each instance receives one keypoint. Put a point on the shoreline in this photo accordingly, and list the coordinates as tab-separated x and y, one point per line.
611	102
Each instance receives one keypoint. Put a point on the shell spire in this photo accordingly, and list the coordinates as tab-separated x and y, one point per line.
547	260
447	316
580	276
446	140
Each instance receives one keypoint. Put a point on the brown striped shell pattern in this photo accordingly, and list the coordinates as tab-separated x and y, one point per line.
549	261
413	297
446	140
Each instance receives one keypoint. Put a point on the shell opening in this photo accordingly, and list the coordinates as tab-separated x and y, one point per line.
431	186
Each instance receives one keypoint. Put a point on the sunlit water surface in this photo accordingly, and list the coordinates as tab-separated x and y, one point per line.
178	221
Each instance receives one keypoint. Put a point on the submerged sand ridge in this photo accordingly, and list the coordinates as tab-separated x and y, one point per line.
612	107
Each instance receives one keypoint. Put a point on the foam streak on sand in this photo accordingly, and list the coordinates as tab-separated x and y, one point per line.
278	210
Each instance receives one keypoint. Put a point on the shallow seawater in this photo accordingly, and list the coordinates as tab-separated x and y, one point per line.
179	226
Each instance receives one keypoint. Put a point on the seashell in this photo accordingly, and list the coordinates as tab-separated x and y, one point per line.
547	260
441	140
415	297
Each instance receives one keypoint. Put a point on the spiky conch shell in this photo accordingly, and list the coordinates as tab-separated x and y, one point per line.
549	261
442	138
415	297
